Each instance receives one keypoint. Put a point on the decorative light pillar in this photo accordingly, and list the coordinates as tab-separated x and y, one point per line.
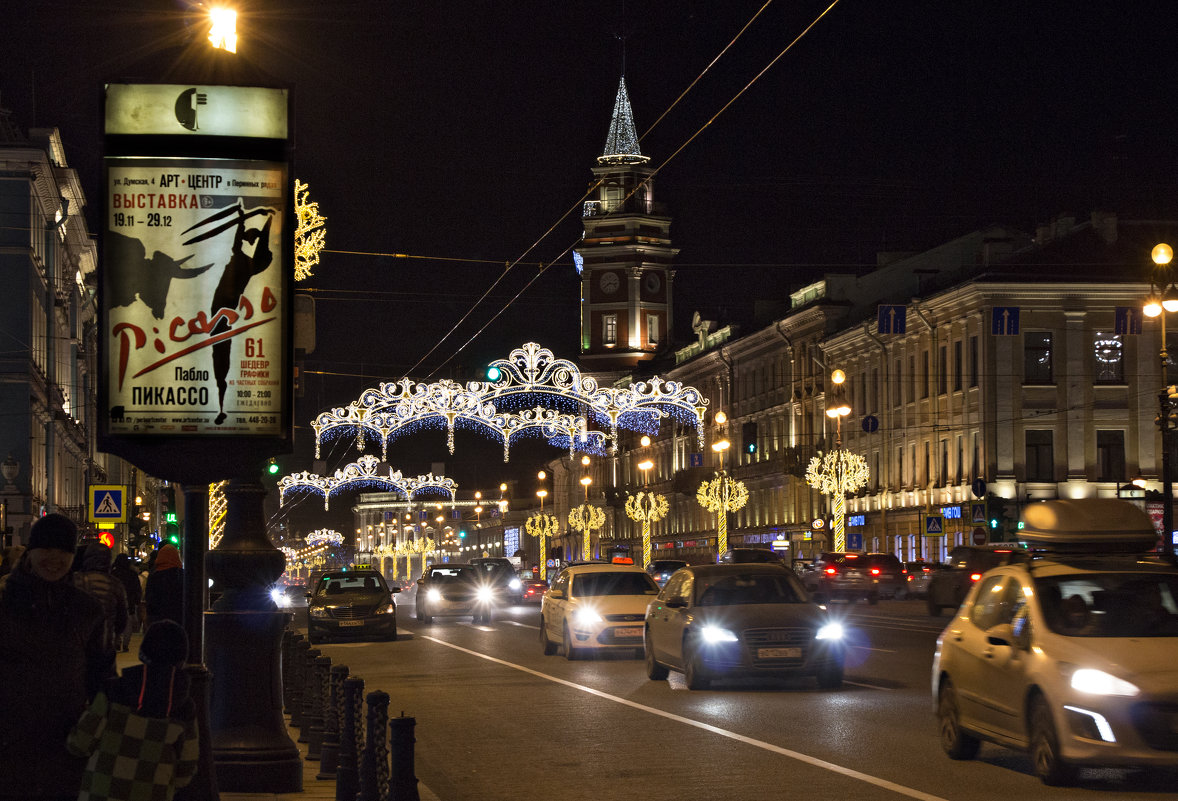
586	519
722	495
543	526
646	507
836	473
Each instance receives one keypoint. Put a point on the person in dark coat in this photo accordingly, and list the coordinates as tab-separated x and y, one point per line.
95	578
128	576
52	661
139	735
164	592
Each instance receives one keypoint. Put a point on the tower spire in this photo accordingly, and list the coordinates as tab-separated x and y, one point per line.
621	144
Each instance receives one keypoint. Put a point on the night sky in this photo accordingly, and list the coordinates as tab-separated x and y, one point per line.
459	132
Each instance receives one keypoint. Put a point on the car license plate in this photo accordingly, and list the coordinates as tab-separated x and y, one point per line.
628	631
351	623
779	653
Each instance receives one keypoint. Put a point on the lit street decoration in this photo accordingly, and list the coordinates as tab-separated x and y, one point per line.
325	536
217	510
586	519
836	473
722	495
362	474
310	235
647	507
542	526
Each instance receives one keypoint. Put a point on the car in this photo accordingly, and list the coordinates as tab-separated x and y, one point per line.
887	575
456	590
746	555
920	573
948	586
534	589
838	575
356	604
1069	654
288	596
662	569
745	619
595	607
499	573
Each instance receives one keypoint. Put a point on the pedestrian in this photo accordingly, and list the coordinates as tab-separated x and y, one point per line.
139	734
11	556
164	592
128	576
51	663
95	578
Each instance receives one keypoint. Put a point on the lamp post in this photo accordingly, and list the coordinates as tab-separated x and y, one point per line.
1163	297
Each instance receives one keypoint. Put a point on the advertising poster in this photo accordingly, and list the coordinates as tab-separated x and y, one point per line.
192	286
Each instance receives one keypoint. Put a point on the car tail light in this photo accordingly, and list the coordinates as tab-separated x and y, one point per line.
875	571
830	571
927	569
910	578
975	576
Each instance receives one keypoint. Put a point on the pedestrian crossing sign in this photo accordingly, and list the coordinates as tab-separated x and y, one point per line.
934	525
977	514
107	503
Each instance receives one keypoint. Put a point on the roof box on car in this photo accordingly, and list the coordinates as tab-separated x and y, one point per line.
1087	525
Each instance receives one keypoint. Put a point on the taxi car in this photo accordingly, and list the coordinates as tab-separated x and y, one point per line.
744	619
595	606
1068	655
352	604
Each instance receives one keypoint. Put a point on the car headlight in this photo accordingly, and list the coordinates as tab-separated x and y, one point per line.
830	631
715	634
516	584
1097	682
387	609
433	594
279	597
318	611
586	617
485	595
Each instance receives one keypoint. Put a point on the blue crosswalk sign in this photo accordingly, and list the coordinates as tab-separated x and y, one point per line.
934	525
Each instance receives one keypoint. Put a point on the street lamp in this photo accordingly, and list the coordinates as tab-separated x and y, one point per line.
1163	297
838	408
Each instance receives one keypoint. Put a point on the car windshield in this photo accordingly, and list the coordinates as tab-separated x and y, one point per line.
339	585
619	583
1110	604
447	575
763	588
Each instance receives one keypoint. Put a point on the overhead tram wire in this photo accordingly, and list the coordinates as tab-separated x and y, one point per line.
655	172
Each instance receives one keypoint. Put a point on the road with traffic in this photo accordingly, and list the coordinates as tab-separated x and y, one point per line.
496	719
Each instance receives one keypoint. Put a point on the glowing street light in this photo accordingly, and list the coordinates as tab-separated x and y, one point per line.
223	31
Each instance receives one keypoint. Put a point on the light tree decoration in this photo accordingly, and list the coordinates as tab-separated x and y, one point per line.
543	526
362	474
425	547
836	473
586	519
723	494
310	234
647	507
217	510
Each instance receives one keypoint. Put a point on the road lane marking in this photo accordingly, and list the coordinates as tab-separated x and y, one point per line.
776	749
869	686
869	648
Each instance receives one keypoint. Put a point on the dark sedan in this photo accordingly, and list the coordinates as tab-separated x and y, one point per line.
729	620
356	604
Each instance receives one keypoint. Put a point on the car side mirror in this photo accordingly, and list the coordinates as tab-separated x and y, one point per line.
555	594
394	589
420	581
678	602
1002	634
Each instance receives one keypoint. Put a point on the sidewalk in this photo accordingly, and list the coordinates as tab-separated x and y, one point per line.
313	789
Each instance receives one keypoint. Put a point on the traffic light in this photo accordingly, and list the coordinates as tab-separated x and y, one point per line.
172	534
748	437
272	467
461	534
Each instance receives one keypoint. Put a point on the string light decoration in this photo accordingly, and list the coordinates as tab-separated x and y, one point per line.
722	495
325	536
218	508
836	473
586	519
543	526
362	474
647	507
530	392
310	235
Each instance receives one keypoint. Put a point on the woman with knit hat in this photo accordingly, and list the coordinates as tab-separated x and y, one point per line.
52	661
139	735
164	593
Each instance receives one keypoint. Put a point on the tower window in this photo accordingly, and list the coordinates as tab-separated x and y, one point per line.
652	330
609	329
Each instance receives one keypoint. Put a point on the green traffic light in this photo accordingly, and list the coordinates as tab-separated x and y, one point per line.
174	539
993	522
273	467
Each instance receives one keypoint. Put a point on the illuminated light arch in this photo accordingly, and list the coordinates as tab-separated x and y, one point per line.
532	392
324	536
362	474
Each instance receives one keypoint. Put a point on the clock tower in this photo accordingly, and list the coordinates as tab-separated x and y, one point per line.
625	254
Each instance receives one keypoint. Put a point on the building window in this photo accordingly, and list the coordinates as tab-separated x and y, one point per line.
943	478
652	330
1108	358
977	458
898	384
1040	456
943	371
924	376
957	366
900	466
973	361
1037	358
927	476
1110	455
912	378
609	329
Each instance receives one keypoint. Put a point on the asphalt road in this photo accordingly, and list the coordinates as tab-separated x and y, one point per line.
498	720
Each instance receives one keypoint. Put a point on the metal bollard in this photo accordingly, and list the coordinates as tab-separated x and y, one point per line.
320	682
285	666
402	779
351	730
329	753
374	766
298	661
308	696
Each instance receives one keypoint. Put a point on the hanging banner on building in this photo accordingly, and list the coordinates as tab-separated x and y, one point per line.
194	293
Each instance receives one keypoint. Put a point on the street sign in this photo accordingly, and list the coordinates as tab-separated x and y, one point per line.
1004	321
977	514
871	424
1126	320
107	503
818	523
979	488
892	318
978	536
934	525
695	460
854	540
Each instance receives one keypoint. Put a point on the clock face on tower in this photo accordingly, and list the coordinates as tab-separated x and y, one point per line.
652	282
609	283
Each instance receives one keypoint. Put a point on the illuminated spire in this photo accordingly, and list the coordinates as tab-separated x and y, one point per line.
621	144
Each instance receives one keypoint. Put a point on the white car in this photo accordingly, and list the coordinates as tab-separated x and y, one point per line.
1071	655
596	607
